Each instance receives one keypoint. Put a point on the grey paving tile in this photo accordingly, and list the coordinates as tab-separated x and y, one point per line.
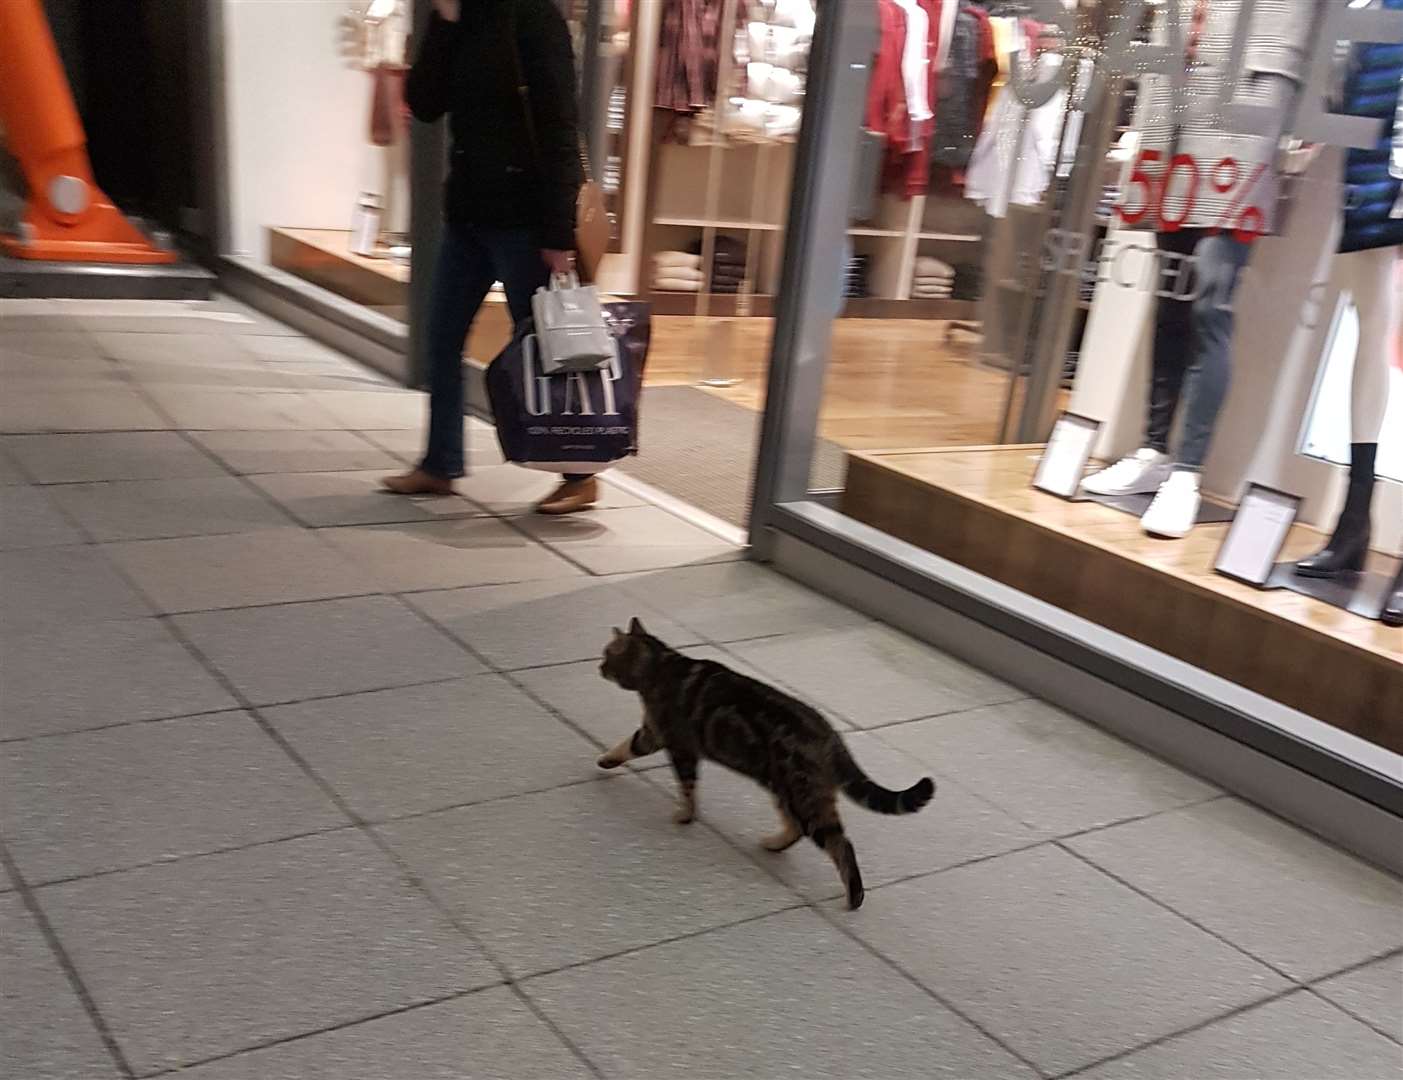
731	601
298	349
45	1033
902	679
1300	904
407	444
787	995
542	622
120	455
30	519
73	676
294	451
590	870
291	652
89	409
104	800
63	585
1374	993
408	750
187	359
58	348
276	566
10	472
1295	1036
1057	960
954	828
513	491
373	410
198	958
447	554
629	540
161	509
1050	770
355	498
235	409
489	1035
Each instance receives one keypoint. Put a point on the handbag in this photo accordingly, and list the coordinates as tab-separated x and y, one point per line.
592	230
576	422
570	330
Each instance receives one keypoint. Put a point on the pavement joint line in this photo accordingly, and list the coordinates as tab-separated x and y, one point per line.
65	962
1314	988
328	1030
188	856
1165	905
1198	1025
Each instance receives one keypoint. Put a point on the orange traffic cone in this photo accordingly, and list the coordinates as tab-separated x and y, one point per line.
68	218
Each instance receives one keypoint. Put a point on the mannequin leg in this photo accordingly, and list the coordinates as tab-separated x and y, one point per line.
1173	344
1221	260
1370	277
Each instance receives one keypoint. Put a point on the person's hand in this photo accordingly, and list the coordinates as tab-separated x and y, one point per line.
560	262
449	10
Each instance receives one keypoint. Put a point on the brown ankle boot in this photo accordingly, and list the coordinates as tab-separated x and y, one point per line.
570	497
417	482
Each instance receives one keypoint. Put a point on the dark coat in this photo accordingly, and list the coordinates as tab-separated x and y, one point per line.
1372	89
507	169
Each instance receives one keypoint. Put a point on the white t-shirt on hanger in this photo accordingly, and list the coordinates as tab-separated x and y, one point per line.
915	61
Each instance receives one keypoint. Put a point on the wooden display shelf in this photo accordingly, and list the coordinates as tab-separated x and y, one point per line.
976	507
324	257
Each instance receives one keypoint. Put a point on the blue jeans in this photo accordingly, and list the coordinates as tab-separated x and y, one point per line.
1193	340
471	259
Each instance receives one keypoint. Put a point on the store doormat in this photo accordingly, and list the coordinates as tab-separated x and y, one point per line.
700	448
1209	513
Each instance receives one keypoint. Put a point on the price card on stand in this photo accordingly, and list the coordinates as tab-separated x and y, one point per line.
1257	535
1063	462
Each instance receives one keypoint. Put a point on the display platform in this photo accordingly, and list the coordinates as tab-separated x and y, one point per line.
975	507
324	257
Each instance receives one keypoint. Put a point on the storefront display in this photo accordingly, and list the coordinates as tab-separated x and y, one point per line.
1214	290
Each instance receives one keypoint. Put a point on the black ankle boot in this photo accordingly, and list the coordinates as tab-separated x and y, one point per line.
1392	614
1349	545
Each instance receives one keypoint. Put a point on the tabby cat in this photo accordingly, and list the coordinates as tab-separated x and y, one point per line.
699	708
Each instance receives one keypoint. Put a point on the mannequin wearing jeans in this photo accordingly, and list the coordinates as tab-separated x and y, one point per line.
1193	340
1193	336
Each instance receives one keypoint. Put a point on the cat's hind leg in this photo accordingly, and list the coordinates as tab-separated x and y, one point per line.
827	833
640	744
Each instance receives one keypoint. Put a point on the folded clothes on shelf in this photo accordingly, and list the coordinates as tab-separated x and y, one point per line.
927	266
683	260
676	284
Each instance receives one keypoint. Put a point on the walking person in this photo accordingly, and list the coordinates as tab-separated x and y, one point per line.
503	73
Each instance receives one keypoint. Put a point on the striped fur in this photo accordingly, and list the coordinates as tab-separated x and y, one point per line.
698	709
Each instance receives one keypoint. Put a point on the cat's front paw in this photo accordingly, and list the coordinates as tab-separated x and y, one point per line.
683	815
608	761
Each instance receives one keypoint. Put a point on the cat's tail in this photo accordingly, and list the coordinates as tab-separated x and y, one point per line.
865	791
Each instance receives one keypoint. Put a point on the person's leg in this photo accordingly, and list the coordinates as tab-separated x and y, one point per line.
461	281
1221	260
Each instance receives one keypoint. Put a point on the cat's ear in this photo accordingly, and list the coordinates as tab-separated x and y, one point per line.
636	628
618	633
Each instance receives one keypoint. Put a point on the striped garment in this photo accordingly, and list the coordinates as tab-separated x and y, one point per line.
689	53
1277	53
1373	87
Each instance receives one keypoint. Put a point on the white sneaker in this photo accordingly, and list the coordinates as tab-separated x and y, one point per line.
1174	512
1139	474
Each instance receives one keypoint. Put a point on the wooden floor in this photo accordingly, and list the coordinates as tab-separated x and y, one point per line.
976	507
892	383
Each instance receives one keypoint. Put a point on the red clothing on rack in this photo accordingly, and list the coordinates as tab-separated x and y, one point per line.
886	92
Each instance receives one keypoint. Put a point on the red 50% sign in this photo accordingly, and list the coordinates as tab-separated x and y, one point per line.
1246	221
